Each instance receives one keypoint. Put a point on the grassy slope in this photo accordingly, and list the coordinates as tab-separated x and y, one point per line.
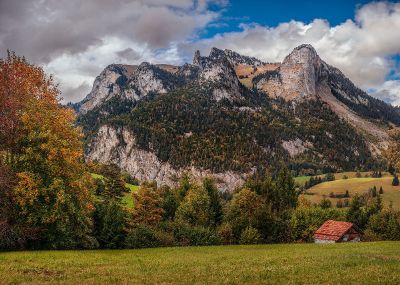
356	185
127	199
362	263
301	180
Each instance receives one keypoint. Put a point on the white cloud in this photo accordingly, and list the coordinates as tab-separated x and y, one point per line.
389	91
75	39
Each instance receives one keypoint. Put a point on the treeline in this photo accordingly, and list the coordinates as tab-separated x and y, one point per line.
265	210
198	214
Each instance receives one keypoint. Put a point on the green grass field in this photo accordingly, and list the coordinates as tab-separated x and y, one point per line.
347	263
391	194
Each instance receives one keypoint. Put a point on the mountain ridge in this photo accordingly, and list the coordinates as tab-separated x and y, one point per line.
148	118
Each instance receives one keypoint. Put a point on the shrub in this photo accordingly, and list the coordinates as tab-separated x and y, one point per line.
142	236
384	226
165	238
250	235
225	233
329	177
195	235
325	203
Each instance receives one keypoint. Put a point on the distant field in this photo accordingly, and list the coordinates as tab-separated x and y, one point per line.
356	185
300	180
127	199
361	263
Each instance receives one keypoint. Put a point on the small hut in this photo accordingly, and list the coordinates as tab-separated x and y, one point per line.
336	231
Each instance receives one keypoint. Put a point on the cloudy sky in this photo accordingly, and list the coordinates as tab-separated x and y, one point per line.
75	39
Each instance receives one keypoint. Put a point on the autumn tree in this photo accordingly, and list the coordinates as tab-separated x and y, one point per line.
147	206
247	209
195	207
44	149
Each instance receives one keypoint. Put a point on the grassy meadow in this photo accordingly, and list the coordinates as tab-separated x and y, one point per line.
315	194
360	263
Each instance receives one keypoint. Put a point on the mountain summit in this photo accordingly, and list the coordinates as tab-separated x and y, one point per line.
227	115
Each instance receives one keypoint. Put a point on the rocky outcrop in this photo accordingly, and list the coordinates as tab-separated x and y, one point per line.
296	147
132	83
118	146
218	70
108	84
297	76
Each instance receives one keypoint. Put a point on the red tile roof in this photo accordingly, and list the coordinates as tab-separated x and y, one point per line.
332	230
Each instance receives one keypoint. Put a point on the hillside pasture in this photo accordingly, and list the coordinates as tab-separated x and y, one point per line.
301	180
390	196
345	263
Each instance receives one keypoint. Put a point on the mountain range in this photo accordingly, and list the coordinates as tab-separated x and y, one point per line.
228	116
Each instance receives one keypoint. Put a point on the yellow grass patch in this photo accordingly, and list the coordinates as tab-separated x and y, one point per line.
391	194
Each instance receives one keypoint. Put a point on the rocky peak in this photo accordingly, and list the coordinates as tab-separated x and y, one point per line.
236	59
302	69
297	76
106	85
128	82
216	68
197	58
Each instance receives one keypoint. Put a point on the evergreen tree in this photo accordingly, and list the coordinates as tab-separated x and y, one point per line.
169	202
109	223
356	213
114	184
184	185
216	213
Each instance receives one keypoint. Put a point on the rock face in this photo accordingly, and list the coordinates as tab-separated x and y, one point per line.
132	83
109	84
217	68
111	145
302	76
297	76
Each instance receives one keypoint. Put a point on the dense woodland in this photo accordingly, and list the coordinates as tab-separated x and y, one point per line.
49	200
